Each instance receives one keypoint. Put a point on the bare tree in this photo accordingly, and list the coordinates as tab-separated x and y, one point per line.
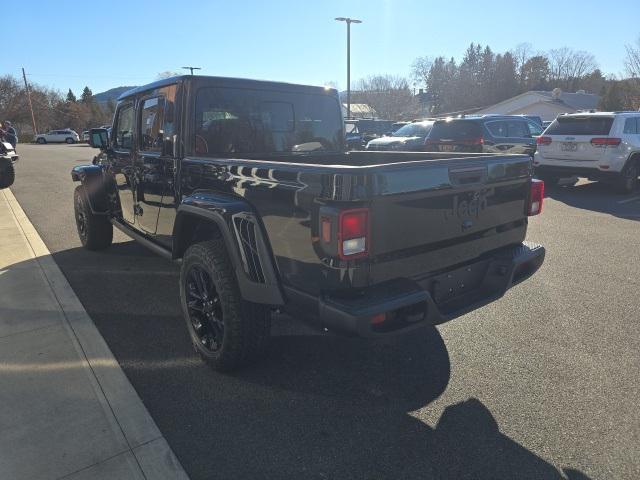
632	62
567	66
389	95
167	74
420	69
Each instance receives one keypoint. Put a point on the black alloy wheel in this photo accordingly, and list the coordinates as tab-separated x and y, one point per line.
204	308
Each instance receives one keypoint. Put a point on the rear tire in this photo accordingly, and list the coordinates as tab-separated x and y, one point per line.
70	140
41	141
227	331
7	174
627	182
95	231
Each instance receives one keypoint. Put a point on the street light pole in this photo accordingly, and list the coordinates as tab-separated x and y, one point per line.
348	21
191	69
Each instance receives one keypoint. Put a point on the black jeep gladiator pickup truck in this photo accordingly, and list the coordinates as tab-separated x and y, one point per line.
247	184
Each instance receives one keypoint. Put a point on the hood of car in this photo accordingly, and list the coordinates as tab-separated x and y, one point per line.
396	140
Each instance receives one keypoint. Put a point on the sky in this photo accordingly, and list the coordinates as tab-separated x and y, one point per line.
70	44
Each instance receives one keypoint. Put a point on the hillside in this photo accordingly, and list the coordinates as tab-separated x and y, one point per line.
111	94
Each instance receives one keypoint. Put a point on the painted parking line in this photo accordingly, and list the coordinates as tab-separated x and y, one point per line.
628	200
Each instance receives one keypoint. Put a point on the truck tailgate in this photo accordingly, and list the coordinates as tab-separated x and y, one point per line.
448	211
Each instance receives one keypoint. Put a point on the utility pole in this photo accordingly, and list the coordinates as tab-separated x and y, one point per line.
349	21
33	117
192	69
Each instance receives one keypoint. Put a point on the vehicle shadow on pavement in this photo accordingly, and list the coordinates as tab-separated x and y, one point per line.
317	406
598	197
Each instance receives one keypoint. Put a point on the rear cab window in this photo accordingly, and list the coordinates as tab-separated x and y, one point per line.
591	125
233	121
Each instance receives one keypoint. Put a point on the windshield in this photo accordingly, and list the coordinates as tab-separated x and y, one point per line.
244	121
413	130
580	126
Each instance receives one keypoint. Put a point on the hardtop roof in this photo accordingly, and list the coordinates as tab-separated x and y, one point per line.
228	82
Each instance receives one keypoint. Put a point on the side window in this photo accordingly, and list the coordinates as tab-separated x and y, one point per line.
151	132
517	129
631	125
124	128
497	129
534	129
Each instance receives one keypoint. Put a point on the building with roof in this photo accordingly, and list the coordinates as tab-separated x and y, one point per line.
547	105
359	110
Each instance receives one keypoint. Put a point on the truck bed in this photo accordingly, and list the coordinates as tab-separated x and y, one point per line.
422	210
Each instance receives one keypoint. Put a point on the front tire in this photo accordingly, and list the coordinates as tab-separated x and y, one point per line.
95	231
227	331
7	174
41	141
628	180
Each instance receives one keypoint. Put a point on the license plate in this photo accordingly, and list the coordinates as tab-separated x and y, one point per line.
447	148
569	147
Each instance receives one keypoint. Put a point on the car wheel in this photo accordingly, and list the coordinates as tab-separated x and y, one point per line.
41	141
7	174
628	180
95	231
70	140
226	330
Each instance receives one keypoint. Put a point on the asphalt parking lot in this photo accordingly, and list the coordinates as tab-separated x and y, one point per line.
541	384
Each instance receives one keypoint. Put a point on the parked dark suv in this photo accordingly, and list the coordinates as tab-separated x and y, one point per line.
485	133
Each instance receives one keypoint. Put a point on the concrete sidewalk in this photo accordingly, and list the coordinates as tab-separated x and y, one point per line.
66	408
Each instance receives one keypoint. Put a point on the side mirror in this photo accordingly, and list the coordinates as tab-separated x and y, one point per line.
99	138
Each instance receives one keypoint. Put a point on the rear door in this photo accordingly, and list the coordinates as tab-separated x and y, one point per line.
520	137
572	137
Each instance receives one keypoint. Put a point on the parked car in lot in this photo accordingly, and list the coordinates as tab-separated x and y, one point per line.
58	136
247	184
410	137
599	146
359	132
85	136
534	118
484	133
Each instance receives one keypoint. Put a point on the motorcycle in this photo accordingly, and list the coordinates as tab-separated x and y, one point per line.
8	158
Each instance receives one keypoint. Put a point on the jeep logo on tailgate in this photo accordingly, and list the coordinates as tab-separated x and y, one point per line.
467	206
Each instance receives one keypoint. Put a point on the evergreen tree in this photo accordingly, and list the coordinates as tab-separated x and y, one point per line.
71	98
86	96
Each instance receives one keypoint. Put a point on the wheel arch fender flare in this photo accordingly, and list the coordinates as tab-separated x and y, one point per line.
251	255
93	179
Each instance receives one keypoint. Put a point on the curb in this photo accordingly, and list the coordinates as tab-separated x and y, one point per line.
150	450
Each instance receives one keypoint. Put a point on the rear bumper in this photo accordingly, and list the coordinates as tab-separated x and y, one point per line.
568	171
443	296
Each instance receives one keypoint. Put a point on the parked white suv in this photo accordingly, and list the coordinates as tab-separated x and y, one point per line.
61	136
599	146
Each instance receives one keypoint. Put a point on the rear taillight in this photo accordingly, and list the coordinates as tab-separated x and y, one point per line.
353	233
536	197
605	142
543	140
473	141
